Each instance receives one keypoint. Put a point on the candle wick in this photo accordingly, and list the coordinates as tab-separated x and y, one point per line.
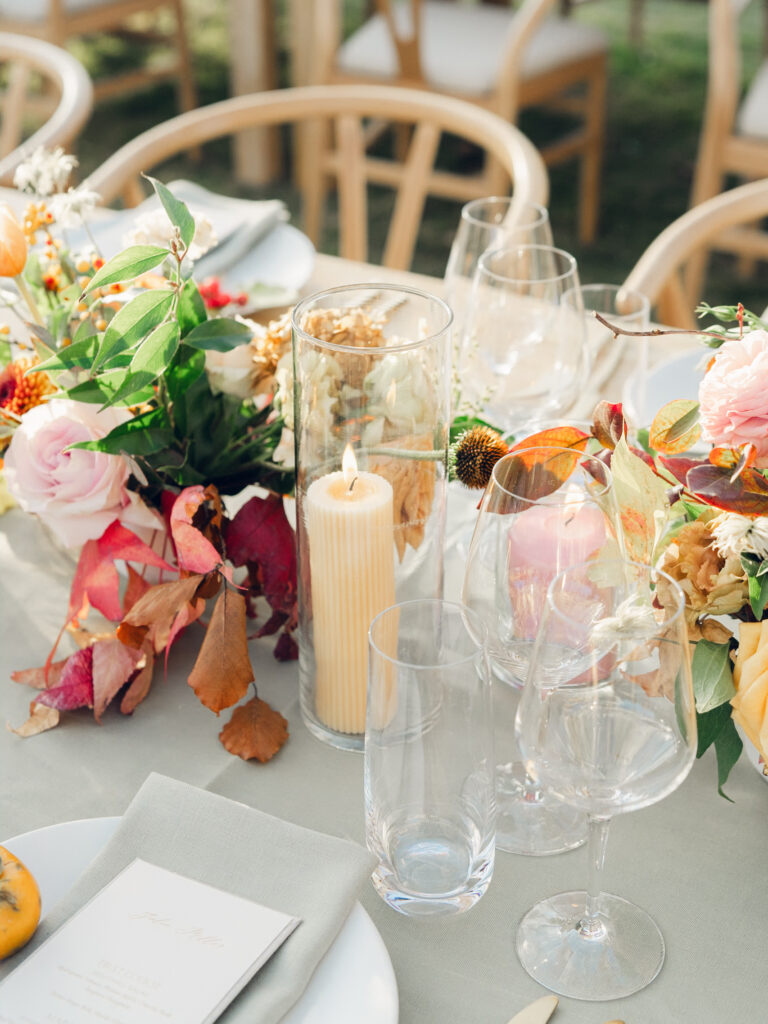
354	481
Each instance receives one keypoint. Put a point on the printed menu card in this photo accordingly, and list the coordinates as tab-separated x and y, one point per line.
151	946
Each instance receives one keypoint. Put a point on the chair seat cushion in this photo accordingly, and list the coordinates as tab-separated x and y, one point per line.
463	47
753	115
37	10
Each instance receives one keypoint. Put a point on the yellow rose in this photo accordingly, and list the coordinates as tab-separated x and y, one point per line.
750	677
13	244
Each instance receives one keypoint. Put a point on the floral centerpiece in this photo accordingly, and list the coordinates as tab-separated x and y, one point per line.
693	498
129	414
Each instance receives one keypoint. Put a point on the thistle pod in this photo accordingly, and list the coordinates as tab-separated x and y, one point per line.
13	244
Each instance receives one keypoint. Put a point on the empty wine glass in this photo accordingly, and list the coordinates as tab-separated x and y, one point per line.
544	508
523	352
618	735
487	224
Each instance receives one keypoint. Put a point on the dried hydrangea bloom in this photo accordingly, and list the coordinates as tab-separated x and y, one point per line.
712	584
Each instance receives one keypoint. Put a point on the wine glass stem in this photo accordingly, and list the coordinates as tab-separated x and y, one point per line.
591	925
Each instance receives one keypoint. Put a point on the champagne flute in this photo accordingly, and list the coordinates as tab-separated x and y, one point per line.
618	735
544	508
523	353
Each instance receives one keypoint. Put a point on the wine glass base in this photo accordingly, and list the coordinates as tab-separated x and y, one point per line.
623	956
535	825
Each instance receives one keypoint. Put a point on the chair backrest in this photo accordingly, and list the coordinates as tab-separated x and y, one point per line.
26	57
346	106
658	272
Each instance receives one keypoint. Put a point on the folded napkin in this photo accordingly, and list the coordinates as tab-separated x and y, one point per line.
231	846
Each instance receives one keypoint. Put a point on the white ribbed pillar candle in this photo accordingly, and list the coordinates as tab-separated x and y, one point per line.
352	569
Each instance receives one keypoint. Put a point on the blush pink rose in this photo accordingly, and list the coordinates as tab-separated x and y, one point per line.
77	493
733	396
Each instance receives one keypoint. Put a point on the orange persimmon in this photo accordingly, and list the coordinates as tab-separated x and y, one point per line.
19	904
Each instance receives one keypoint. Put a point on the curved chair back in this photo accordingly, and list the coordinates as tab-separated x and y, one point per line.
69	79
659	271
346	107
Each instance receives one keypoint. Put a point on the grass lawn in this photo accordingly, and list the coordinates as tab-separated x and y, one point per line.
655	103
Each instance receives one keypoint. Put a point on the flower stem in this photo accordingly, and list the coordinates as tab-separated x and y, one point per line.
591	926
28	298
418	455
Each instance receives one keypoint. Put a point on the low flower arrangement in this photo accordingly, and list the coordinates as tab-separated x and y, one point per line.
693	498
129	415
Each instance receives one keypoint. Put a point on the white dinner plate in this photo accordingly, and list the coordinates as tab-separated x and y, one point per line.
354	981
678	377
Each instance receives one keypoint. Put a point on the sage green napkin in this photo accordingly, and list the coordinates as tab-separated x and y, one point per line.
231	846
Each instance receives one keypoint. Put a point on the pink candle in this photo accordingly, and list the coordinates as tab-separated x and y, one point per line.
541	541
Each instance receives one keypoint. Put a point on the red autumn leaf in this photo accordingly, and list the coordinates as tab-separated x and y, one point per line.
529	476
194	551
223	670
286	648
118	542
680	467
609	425
113	666
261	535
75	686
139	687
95	583
254	730
136	588
41	719
556	437
36	677
154	613
747	494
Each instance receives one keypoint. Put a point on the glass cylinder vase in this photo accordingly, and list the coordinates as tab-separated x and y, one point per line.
371	420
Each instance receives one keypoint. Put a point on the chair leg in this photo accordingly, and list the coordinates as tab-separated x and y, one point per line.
708	181
311	146
592	156
186	82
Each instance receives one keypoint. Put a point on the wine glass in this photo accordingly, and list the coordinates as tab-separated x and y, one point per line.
544	508
487	224
618	735
523	352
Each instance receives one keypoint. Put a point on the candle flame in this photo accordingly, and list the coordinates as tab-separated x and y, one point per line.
349	465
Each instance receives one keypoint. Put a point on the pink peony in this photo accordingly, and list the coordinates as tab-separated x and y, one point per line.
77	493
733	395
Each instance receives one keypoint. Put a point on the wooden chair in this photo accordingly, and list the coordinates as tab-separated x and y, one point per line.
734	134
24	59
501	59
61	20
659	272
345	107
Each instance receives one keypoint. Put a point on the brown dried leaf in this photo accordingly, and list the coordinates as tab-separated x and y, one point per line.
157	610
86	637
254	730
223	670
41	719
413	486
139	688
35	677
113	666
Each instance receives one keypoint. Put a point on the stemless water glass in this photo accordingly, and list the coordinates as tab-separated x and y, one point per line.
429	786
523	353
618	735
487	224
544	508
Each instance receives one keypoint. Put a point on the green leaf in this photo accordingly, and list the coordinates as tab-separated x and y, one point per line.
220	334
757	578
5	352
135	260
143	435
639	493
192	309
681	427
134	321
177	211
104	389
149	361
708	726
712	675
78	355
728	747
692	509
